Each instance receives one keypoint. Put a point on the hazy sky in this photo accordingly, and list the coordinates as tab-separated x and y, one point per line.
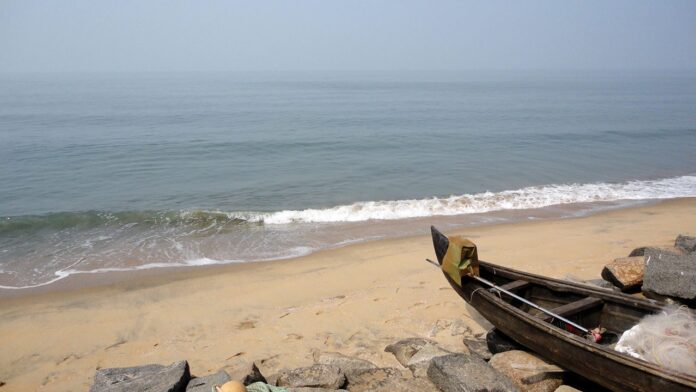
140	35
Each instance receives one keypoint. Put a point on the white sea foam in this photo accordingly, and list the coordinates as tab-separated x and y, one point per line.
525	198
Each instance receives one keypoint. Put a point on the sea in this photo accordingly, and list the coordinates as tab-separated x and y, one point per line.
104	172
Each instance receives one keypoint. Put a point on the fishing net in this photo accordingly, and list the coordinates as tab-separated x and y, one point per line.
667	339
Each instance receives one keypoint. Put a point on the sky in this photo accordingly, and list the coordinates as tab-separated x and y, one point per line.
260	35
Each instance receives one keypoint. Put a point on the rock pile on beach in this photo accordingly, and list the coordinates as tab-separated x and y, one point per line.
663	273
484	362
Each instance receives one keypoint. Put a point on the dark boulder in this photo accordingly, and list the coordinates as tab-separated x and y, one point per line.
147	378
498	342
206	383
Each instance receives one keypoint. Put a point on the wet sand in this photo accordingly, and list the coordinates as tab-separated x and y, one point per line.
355	300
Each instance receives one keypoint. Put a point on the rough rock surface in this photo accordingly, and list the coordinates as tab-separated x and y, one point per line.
404	349
247	373
420	361
529	372
670	275
566	388
685	243
498	342
478	347
467	373
315	376
669	249
206	383
147	378
348	365
625	273
387	380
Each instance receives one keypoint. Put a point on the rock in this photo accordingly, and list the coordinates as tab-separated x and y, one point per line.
247	373
669	249
315	376
348	365
467	373
478	347
685	243
420	361
625	273
206	383
670	275
459	328
566	388
498	342
151	378
404	349
387	380
529	372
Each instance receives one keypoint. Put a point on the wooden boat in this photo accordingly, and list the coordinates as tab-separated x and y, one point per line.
586	305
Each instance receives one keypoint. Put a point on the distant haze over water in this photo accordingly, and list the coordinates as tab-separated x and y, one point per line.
104	172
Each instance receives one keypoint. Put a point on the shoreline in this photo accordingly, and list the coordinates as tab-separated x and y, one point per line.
93	280
355	299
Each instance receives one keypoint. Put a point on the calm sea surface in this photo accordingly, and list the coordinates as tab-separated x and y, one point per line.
106	172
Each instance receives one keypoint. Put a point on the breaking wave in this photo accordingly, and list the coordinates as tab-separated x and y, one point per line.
525	198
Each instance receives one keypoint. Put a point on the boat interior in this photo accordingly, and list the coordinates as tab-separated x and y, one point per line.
586	308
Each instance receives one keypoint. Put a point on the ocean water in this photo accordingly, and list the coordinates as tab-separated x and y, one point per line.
112	172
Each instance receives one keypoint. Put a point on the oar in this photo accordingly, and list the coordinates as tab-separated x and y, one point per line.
596	336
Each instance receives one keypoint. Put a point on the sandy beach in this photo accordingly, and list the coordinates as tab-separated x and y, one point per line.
355	300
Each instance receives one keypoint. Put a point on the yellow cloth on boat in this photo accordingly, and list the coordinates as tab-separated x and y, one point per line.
461	259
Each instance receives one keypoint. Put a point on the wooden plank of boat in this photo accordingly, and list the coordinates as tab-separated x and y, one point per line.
584	304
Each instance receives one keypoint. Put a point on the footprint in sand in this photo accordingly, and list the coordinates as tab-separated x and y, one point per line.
246	324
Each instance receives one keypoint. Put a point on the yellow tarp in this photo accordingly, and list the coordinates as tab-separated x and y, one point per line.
461	259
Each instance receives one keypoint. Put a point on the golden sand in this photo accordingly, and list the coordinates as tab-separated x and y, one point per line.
355	300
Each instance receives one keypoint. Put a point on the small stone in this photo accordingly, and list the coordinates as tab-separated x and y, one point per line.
247	373
478	347
315	376
670	275
529	372
498	342
566	388
459	328
625	273
467	373
685	243
206	383
404	349
172	378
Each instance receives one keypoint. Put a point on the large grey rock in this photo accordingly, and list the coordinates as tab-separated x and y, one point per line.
478	347
247	373
315	376
404	349
147	378
348	365
467	373
206	383
670	275
387	380
625	273
498	342
668	249
685	243
420	361
529	372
